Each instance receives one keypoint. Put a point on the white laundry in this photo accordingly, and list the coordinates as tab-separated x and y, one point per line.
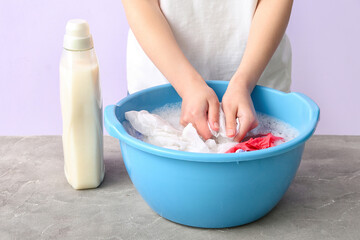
222	128
162	128
157	131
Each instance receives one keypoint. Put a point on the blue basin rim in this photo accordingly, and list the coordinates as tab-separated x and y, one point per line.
116	129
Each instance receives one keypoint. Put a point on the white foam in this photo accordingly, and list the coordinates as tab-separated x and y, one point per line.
171	113
275	126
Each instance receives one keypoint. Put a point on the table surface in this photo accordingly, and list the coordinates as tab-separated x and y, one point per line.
36	202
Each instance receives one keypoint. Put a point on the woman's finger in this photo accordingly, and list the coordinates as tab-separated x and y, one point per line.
230	121
247	122
202	127
213	114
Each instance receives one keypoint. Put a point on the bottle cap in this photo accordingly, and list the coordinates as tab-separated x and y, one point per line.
77	36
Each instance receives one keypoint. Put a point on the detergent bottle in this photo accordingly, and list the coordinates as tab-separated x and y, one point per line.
81	107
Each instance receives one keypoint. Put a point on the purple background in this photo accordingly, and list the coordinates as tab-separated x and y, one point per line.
325	39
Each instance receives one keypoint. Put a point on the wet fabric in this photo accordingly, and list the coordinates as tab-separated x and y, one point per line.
257	143
153	129
156	130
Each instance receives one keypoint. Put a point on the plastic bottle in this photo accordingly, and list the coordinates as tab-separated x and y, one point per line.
81	107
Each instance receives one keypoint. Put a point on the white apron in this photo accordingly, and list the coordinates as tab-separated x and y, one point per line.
212	34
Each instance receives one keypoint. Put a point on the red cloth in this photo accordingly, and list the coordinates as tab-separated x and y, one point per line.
256	143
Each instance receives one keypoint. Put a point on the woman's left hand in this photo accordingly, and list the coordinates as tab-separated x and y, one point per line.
237	103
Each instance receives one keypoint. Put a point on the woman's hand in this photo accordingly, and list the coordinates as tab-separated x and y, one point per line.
237	103
151	29
267	28
200	105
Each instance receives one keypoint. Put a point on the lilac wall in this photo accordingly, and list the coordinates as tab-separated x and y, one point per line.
31	44
324	34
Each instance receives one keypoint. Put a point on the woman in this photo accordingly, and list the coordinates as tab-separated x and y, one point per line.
185	42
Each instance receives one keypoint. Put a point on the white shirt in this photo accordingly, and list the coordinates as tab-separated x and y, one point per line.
213	36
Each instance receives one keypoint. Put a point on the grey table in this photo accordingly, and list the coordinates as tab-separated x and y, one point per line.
36	202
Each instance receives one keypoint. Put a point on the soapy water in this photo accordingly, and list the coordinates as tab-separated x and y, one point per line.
162	128
267	124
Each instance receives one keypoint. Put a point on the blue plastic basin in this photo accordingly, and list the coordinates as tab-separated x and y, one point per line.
213	190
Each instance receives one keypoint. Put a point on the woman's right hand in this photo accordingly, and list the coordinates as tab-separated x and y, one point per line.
153	32
200	105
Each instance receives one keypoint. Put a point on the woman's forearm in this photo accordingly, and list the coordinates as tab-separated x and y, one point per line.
155	36
267	29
